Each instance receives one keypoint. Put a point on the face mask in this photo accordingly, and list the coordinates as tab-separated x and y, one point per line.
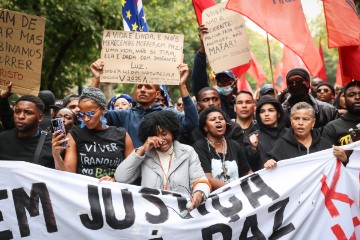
224	90
298	90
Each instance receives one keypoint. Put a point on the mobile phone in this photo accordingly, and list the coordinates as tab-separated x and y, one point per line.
57	124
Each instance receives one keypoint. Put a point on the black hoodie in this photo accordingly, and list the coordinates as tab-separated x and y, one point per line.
267	135
288	146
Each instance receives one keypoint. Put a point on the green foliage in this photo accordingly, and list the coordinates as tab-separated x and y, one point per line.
73	35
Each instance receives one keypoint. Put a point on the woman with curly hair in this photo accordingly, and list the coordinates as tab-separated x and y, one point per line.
223	160
163	162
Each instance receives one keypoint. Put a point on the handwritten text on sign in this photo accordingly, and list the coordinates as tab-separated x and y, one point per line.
141	57
21	48
227	43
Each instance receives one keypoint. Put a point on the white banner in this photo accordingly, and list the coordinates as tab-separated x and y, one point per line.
309	197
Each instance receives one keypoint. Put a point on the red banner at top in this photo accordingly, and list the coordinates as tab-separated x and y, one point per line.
286	22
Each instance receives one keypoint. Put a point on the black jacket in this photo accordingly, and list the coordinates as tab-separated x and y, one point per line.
267	136
324	112
288	147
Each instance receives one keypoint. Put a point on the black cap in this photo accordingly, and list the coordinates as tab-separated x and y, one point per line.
47	97
69	98
328	85
267	88
225	74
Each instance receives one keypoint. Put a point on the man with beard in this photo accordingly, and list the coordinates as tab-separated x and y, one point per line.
337	131
298	83
26	142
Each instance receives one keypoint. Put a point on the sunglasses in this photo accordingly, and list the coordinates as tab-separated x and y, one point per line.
296	80
179	104
88	114
325	90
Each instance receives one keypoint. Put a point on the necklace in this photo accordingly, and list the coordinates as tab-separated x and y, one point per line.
213	142
222	159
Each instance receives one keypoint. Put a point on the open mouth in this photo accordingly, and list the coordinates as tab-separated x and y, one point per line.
219	126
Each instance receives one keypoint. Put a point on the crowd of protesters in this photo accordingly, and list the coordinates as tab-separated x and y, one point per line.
192	148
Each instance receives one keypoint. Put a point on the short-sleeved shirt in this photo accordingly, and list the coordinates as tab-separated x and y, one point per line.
99	152
230	168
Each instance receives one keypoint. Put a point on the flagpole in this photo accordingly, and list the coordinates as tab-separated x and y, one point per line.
271	70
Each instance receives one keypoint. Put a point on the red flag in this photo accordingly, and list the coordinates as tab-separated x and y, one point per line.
349	58
241	70
279	80
256	71
339	80
290	61
322	73
342	23
200	6
243	84
285	21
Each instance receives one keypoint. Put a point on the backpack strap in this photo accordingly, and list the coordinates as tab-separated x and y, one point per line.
39	147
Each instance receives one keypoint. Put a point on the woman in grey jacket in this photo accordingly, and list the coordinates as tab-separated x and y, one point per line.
163	162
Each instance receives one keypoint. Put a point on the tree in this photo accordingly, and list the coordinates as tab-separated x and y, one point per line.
73	35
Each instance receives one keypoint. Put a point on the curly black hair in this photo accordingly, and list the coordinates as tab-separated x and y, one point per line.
36	100
165	119
204	113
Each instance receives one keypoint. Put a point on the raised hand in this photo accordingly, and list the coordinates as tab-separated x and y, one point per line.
6	93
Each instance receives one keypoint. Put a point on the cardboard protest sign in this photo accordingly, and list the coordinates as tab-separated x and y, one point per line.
141	57
21	48
227	43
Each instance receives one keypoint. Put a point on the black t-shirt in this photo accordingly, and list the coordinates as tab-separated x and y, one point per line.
23	149
337	131
99	152
233	166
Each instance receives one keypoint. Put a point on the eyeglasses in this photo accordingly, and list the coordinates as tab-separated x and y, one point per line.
88	114
323	89
179	104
